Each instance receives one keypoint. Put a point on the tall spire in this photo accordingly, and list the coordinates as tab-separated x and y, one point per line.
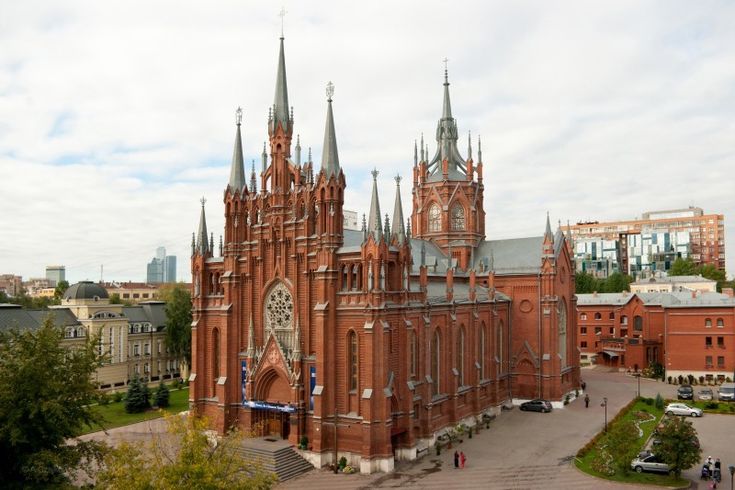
298	149
202	244
374	220
548	232
253	182
398	228
237	171
330	159
264	157
415	154
280	103
469	146
479	149
446	138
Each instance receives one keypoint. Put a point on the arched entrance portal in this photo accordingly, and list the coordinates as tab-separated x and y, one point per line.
272	414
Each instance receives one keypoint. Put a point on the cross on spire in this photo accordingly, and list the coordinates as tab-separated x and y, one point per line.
330	91
238	116
282	15
203	200
446	70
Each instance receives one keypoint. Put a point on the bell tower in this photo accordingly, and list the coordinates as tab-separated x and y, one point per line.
448	191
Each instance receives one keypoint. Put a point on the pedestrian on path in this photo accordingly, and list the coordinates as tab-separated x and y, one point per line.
586	401
462	459
456	460
584	386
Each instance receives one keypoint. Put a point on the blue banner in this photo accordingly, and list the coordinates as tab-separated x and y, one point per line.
312	384
244	379
269	406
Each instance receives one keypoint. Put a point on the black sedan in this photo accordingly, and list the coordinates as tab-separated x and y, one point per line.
537	405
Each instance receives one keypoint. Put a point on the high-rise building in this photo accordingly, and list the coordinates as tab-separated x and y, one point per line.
162	268
371	343
11	285
650	244
55	274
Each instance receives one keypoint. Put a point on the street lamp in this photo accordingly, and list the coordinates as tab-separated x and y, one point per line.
638	375
604	404
732	472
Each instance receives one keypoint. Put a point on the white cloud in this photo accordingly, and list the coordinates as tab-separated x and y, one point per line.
116	118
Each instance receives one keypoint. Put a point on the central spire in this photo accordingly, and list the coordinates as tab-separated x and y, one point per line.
280	103
446	140
374	219
237	171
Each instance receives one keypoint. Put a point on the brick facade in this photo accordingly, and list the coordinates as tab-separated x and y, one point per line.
302	328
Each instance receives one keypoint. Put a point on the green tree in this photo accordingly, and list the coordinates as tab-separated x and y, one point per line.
623	444
46	390
676	448
188	458
616	283
160	399
61	288
683	267
4	297
178	324
138	397
586	283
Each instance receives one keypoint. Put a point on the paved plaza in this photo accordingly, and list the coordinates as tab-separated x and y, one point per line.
521	450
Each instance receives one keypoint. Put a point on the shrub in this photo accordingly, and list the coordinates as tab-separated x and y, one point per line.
138	395
162	395
701	380
690	377
648	401
659	401
681	379
712	405
304	442
342	463
103	399
669	379
566	399
117	396
176	384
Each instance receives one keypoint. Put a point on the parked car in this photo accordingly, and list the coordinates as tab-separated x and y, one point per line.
705	394
649	463
537	406
685	392
682	409
726	393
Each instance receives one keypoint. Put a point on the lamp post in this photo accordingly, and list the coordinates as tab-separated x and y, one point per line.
638	375
732	472
604	404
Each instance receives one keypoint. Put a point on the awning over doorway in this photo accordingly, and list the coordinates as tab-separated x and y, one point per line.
611	353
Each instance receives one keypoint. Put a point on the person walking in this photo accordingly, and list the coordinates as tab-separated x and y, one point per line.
456	460
586	400
584	385
462	459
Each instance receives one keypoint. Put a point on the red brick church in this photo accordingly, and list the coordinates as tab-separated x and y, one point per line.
371	343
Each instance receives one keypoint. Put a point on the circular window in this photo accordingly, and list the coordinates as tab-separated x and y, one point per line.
526	306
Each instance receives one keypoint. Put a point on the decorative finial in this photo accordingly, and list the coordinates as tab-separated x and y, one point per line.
330	91
238	115
398	179
203	200
310	154
374	173
282	15
446	70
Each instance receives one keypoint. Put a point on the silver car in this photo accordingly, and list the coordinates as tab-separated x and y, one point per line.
649	462
682	409
705	394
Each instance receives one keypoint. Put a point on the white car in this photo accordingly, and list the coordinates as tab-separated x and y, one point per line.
682	409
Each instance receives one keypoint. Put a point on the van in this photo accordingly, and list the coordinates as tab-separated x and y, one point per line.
726	393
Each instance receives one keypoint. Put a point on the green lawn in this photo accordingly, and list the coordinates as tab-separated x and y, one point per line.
585	463
114	414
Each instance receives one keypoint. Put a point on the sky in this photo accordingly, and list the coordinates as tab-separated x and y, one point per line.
117	117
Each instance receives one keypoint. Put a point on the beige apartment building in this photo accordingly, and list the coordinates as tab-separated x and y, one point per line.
132	336
672	284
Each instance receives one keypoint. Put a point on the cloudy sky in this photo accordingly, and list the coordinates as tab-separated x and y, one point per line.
116	117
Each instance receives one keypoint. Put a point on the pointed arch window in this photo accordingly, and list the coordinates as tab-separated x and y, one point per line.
562	320
435	361
353	359
458	219
499	347
460	356
435	219
481	351
215	360
413	353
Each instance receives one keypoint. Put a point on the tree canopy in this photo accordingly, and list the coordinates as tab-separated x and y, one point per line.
187	458
687	267
59	291
178	323
46	390
615	283
676	448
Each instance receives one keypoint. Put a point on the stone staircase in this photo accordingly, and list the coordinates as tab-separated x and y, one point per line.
280	459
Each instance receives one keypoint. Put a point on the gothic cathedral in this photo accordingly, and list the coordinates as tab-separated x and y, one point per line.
370	344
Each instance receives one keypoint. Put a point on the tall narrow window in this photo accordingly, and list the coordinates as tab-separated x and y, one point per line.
499	347
435	364
353	357
215	360
413	353
460	356
434	218
481	351
638	323
562	318
458	222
